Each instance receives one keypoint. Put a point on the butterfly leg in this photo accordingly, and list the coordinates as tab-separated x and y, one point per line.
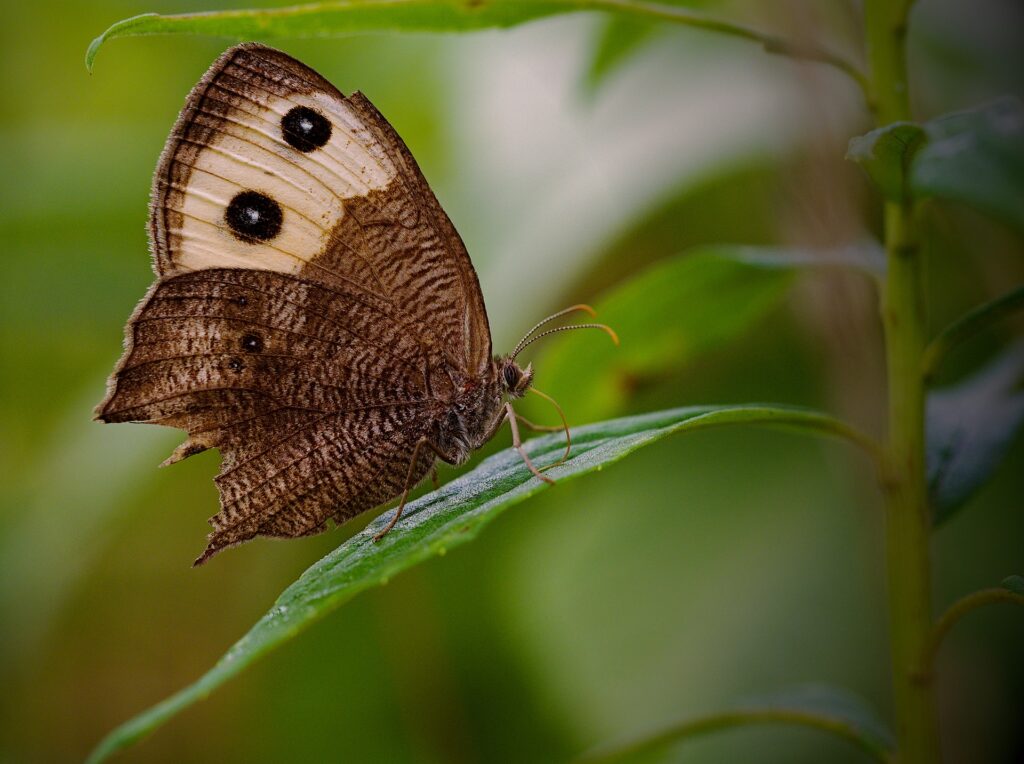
517	444
434	479
546	428
538	427
565	426
405	492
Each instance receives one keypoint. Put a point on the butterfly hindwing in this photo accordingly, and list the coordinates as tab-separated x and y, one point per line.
280	375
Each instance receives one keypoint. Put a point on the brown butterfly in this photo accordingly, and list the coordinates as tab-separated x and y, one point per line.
316	316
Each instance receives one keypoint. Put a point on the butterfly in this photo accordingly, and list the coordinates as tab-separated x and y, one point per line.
316	316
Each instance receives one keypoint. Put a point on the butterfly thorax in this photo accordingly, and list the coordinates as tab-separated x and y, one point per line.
476	411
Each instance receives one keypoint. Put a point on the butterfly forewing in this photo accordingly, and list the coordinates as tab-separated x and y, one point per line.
333	195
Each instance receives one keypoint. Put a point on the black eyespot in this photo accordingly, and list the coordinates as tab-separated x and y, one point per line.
305	129
241	301
235	365
253	217
252	343
511	376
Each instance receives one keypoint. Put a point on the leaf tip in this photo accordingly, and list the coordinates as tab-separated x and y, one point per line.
114	30
90	52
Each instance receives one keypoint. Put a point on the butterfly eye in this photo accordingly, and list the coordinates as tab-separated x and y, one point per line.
252	343
253	217
305	129
510	374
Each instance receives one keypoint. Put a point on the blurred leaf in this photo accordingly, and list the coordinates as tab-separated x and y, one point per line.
445	518
1014	584
970	428
835	703
829	709
885	154
43	565
967	326
976	157
671	313
616	41
331	19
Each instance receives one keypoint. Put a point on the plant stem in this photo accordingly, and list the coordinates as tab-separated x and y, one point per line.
908	522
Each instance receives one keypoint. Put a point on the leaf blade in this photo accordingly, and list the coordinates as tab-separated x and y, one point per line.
674	311
970	427
338	17
445	518
976	157
617	41
886	155
1014	583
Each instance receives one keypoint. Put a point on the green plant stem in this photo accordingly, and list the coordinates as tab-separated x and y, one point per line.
703	725
908	523
966	327
962	607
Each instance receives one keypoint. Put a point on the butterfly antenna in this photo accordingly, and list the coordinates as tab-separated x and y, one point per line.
526	343
552	317
565	426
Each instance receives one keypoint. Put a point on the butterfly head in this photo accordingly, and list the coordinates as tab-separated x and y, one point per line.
515	380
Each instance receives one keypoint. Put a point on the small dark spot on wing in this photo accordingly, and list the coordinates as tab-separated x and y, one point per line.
252	343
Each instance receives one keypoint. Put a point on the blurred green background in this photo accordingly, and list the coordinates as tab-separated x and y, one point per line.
705	568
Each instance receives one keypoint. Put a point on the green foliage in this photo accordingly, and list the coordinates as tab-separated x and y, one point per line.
975	157
672	313
970	428
617	40
821	707
967	326
886	154
1014	584
331	19
444	519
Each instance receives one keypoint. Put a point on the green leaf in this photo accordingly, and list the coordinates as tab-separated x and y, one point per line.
886	154
672	313
332	19
976	157
445	518
617	40
1014	584
822	707
967	326
970	427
